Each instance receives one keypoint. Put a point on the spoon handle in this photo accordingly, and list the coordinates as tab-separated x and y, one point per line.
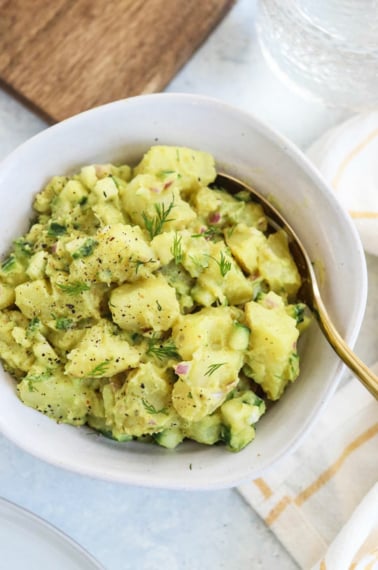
361	371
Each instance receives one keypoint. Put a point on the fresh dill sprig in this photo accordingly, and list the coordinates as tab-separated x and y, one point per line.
154	225
162	350
99	370
210	233
198	263
223	263
74	288
34	378
213	367
176	249
39	377
151	408
139	263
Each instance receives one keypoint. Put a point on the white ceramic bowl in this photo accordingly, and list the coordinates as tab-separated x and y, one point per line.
242	146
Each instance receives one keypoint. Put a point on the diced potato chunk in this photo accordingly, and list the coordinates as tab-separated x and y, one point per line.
211	328
192	168
148	304
162	245
34	300
156	205
37	265
272	355
210	376
61	397
277	265
214	204
142	405
101	353
245	243
105	202
119	253
222	280
7	295
73	300
14	351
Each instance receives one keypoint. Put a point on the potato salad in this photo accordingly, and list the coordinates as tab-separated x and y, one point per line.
148	303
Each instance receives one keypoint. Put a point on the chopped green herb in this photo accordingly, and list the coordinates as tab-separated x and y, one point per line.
74	288
100	369
34	324
39	377
159	307
176	249
155	224
139	263
24	247
223	263
152	410
115	180
162	350
86	249
83	200
56	229
164	173
213	367
299	312
230	231
9	263
200	264
210	233
63	323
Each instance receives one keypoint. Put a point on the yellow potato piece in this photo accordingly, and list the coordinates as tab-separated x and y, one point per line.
148	304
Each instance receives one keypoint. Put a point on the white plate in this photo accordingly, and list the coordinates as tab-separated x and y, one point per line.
26	541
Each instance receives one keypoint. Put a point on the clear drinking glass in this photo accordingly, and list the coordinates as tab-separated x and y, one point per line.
326	48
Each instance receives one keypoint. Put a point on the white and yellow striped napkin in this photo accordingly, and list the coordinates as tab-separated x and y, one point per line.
311	495
347	157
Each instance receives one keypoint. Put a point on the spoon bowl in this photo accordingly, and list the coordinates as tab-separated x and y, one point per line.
309	293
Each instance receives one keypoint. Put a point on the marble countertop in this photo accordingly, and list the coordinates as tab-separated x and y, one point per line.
127	527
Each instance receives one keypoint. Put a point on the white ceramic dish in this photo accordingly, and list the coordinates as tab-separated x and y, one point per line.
242	146
27	541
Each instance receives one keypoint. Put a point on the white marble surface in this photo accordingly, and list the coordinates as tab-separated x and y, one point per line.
127	527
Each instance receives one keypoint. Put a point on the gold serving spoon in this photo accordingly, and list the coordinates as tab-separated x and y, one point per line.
309	292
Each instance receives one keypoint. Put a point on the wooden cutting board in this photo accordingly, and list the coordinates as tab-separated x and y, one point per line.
65	56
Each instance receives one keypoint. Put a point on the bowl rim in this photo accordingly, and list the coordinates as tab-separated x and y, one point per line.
303	162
